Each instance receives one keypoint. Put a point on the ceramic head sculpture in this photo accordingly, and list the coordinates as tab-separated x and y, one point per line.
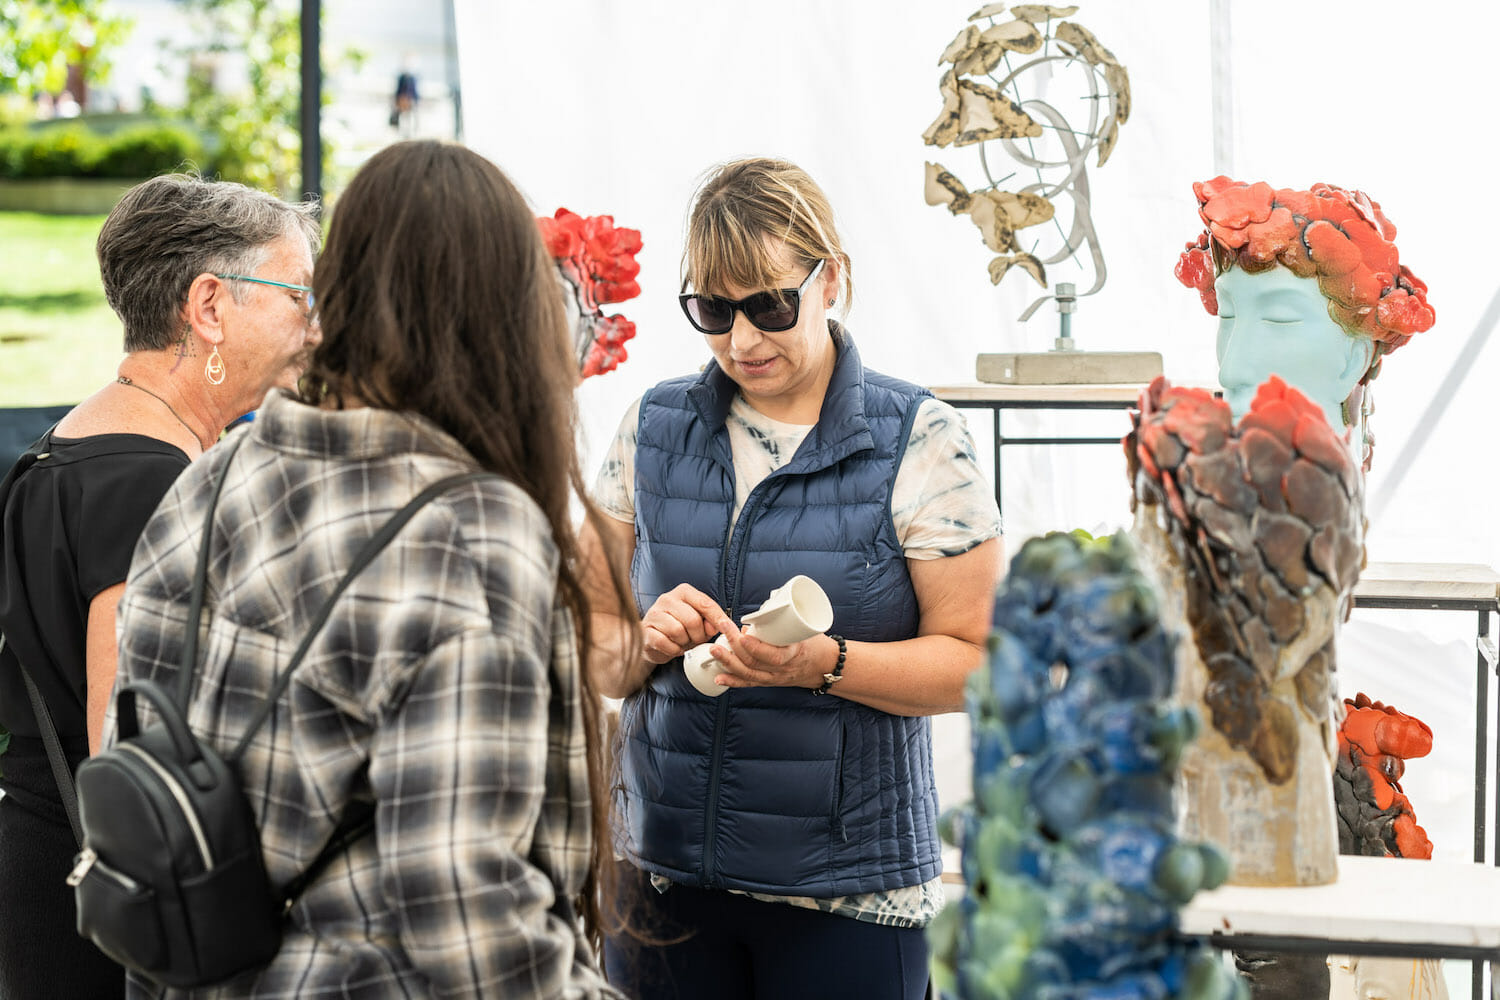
1254	532
1074	872
1307	285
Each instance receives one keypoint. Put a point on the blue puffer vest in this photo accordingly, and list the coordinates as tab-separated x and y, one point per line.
772	789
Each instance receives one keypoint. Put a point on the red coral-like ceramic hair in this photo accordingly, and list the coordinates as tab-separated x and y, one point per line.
1374	813
597	259
1340	237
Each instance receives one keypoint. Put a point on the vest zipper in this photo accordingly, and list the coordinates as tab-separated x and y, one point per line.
183	803
721	717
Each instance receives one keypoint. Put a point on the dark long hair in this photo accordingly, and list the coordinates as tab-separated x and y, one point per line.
436	296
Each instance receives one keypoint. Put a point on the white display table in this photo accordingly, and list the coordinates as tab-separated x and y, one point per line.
1378	906
1387	907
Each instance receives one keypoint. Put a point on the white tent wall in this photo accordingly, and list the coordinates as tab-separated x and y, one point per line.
607	106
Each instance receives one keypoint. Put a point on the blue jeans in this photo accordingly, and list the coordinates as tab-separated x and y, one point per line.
738	948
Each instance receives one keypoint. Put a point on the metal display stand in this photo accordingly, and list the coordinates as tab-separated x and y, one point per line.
997	397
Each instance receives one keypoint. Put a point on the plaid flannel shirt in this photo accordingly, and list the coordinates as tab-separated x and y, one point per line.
444	687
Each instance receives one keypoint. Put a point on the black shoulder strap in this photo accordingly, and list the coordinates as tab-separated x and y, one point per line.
200	578
358	820
55	756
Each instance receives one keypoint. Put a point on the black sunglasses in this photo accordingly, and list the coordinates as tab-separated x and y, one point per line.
771	312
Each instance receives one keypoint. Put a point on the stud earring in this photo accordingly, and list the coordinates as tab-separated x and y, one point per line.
214	370
831	302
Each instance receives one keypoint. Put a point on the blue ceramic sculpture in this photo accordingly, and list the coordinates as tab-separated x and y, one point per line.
1073	872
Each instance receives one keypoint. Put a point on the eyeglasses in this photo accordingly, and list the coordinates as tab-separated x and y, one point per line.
304	289
771	312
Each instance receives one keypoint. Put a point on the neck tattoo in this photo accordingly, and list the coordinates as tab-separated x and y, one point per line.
123	380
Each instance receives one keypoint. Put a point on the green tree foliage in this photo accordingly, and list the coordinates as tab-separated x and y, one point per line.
40	39
254	135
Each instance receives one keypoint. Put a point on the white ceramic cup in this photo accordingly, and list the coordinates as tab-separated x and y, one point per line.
796	610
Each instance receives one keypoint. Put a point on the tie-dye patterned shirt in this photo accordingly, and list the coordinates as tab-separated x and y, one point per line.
942	505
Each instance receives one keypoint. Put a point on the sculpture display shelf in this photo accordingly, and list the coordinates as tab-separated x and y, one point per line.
1462	587
1073	871
1253	532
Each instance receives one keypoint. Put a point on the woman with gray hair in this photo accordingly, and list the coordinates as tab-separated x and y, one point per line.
211	281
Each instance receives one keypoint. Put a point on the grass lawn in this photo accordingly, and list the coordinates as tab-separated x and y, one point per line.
59	340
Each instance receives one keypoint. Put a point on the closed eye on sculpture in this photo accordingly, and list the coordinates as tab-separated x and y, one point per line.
1283	308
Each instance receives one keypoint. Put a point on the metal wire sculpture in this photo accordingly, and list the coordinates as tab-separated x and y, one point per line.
1032	131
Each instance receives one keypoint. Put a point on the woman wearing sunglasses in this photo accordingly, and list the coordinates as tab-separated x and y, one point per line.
781	838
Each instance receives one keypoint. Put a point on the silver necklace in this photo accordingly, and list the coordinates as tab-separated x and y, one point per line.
123	380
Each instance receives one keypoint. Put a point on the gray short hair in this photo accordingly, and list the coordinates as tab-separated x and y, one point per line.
170	229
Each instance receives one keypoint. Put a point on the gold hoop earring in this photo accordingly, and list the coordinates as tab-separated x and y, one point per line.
214	370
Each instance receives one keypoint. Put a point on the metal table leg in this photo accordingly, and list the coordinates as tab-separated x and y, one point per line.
1481	736
1487	661
999	440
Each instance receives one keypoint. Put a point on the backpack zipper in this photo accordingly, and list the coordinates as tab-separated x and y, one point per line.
183	803
81	866
88	861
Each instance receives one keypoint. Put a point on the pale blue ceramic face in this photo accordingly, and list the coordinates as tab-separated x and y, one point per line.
1275	323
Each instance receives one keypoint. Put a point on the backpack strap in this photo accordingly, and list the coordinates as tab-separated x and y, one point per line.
200	578
359	817
55	755
358	820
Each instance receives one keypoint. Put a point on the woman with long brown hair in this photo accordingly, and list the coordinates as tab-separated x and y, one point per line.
446	687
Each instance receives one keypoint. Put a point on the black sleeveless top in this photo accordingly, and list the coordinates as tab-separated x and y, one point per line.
67	532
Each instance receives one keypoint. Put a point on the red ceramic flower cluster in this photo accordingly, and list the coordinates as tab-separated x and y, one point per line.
598	262
1340	237
1375	742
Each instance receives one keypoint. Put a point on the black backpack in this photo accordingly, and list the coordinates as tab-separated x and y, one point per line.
170	881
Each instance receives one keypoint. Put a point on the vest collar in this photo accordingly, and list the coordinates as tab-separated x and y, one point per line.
842	428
